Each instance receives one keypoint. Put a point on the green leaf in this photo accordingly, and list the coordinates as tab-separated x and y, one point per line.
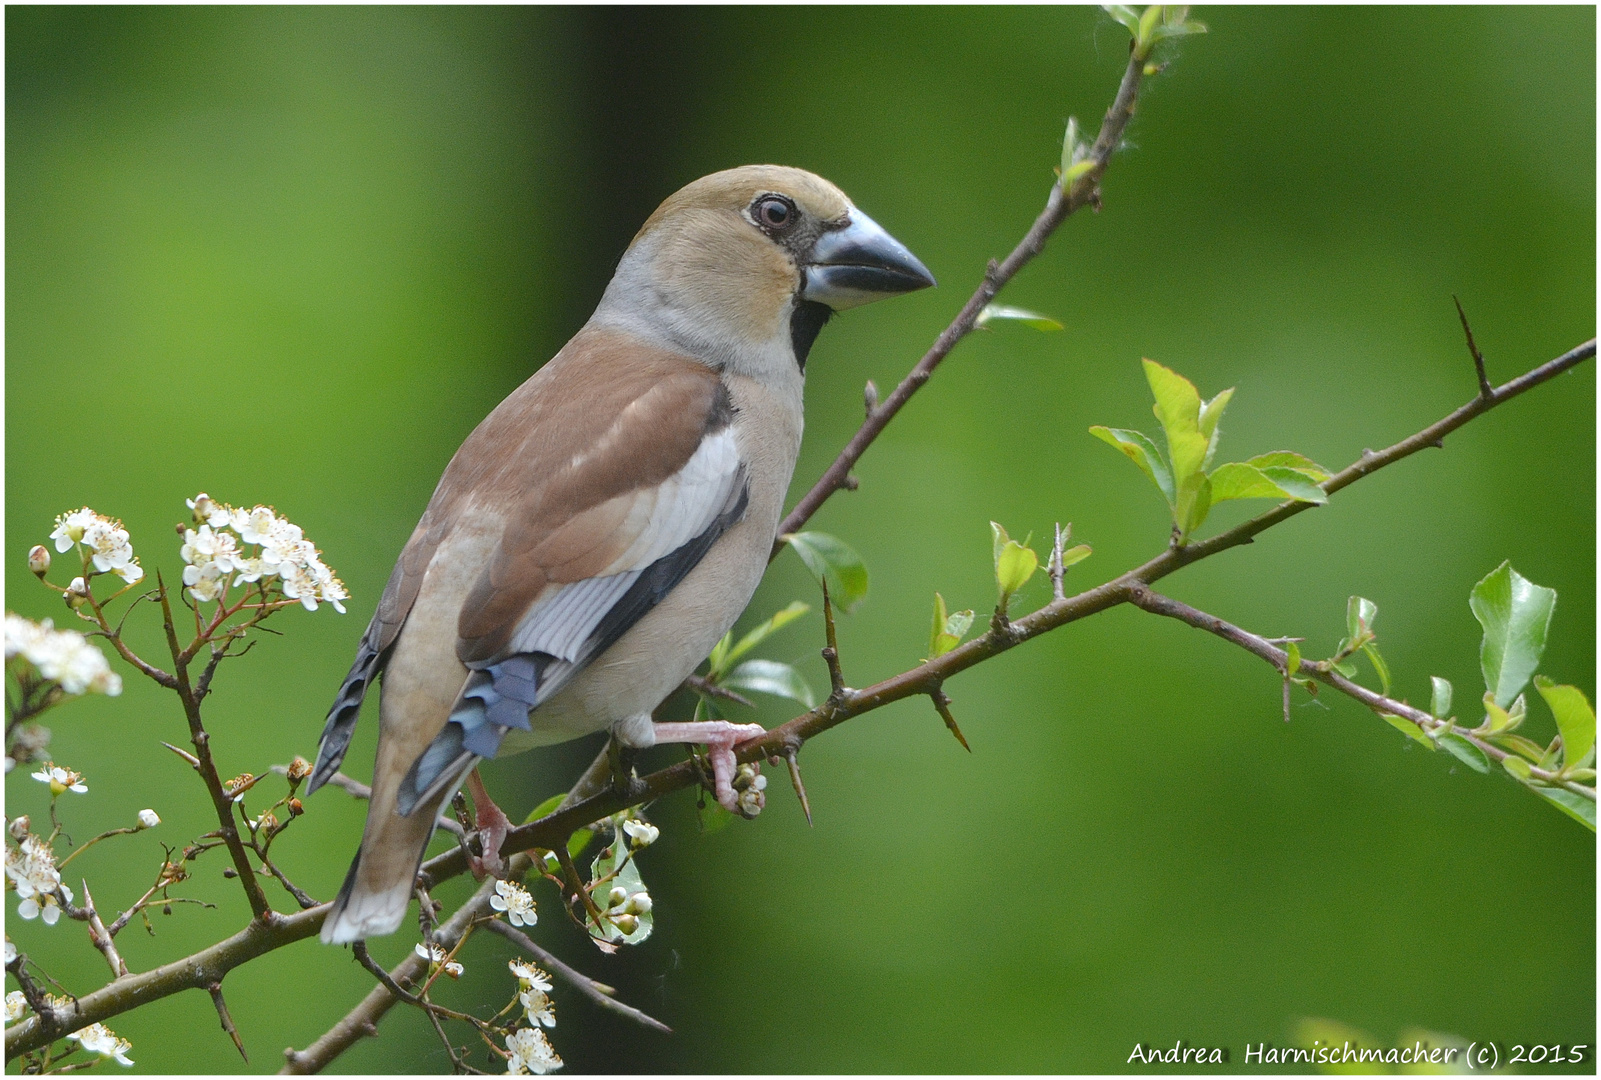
1360	614
1211	413
1527	749
1515	614
1571	803
1069	151
1575	718
1031	319
830	558
1194	503
616	858
1407	727
1344	667
1124	14
1465	752
771	677
1072	173
947	630
761	633
1143	452
1241	480
1516	766
1176	29
1379	666
1148	21
1289	459
1295	484
1178	407
1014	566
1440	701
1292	658
1076	554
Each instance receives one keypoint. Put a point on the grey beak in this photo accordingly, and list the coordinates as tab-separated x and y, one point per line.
859	264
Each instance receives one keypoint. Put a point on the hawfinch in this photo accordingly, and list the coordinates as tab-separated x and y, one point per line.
599	532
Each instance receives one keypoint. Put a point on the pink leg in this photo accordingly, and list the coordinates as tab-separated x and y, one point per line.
493	824
720	737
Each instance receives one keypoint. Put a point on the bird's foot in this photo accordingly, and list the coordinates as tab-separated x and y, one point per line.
719	737
493	825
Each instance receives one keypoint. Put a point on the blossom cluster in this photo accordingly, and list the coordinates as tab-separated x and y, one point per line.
105	540
530	1051
624	908
217	557
62	656
31	871
438	957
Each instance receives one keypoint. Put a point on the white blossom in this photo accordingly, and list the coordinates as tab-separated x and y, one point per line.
254	526
435	955
282	550
149	819
640	833
61	779
99	1039
531	1052
16	1005
539	1007
62	656
516	902
206	583
105	538
529	977
70	527
11	952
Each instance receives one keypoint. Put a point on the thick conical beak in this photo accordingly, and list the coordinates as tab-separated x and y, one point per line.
859	264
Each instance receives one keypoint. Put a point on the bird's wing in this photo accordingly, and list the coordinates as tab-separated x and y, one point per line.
608	475
607	533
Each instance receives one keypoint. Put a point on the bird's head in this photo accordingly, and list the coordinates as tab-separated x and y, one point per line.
742	268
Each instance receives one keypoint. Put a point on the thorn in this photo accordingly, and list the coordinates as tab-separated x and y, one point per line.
942	705
836	677
215	990
194	762
795	779
1486	391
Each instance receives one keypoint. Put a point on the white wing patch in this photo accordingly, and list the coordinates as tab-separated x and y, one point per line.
663	520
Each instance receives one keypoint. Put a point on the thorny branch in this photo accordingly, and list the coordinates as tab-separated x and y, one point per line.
1083	191
269	931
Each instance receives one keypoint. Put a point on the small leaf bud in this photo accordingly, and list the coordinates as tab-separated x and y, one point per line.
148	819
626	923
39	560
229	872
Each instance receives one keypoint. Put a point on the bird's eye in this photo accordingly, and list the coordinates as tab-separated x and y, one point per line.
775	212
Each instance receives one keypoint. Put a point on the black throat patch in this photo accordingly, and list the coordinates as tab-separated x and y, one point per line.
805	323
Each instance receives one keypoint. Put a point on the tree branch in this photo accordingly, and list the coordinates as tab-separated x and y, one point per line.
584	984
1059	204
1258	646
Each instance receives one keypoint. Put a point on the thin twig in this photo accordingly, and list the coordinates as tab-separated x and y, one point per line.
357	790
583	983
702	685
1257	646
99	937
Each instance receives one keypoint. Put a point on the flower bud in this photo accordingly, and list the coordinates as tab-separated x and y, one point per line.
626	923
77	593
638	904
296	808
298	769
166	909
202	506
38	560
640	834
148	819
19	827
751	802
616	897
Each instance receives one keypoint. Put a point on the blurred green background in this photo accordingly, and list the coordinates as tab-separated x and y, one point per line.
294	255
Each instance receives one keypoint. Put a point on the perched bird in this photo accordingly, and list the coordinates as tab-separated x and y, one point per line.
599	531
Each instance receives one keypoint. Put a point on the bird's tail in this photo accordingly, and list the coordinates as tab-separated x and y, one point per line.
377	890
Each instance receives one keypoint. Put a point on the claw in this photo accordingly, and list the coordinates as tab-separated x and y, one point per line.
719	737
